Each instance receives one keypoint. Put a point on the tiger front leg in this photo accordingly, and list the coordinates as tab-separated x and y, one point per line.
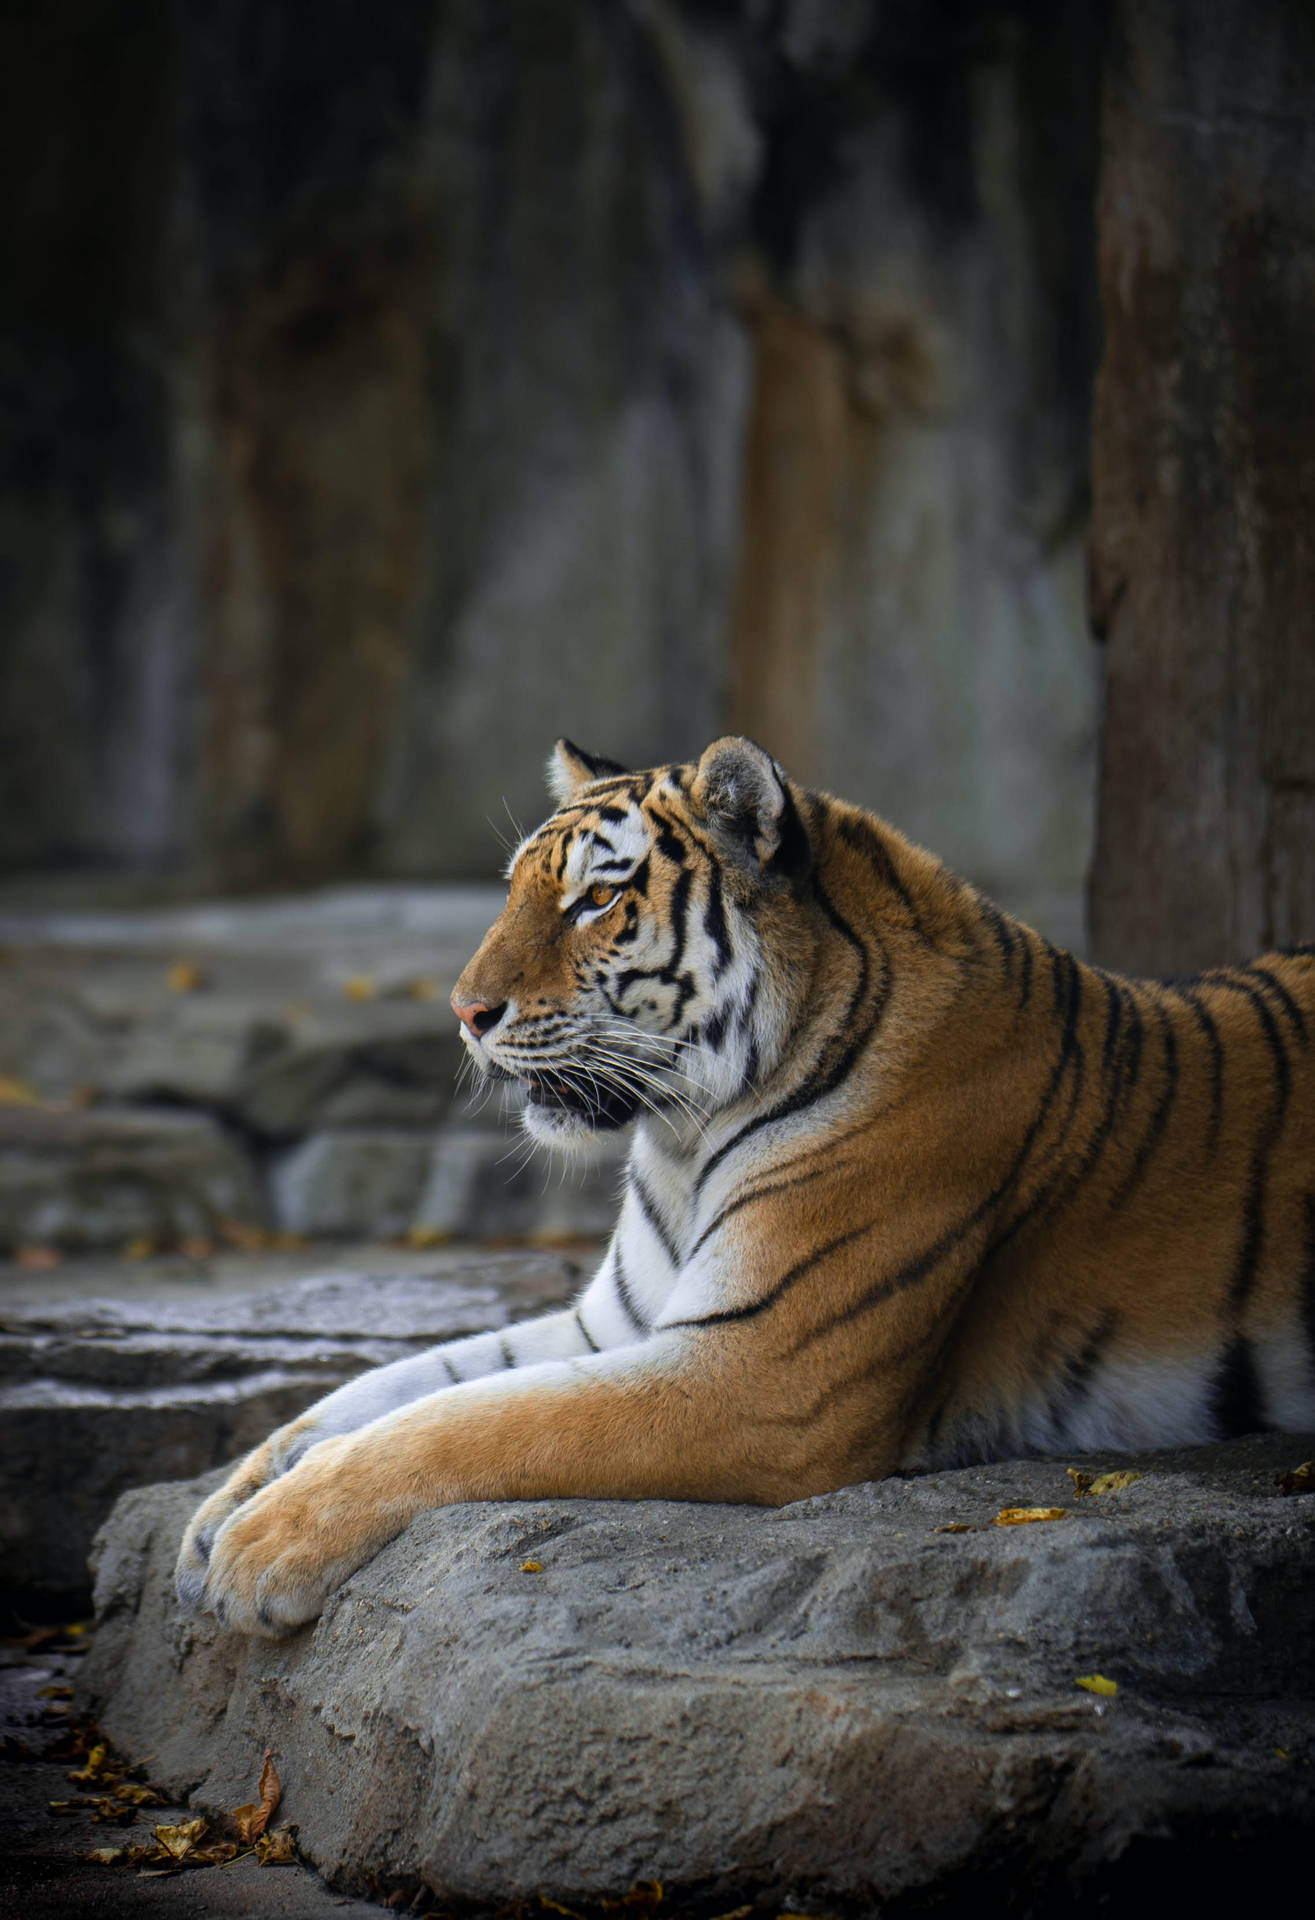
666	1419
363	1400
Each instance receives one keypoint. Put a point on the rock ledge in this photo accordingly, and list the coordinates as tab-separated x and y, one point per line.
835	1703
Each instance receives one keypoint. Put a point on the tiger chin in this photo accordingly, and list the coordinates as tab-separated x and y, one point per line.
908	1187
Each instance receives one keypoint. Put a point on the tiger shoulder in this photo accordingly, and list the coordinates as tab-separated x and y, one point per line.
908	1187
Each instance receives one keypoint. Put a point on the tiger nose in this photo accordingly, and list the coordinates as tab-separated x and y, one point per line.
477	1017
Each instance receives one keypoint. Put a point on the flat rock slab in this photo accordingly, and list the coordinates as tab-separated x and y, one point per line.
127	1373
838	1703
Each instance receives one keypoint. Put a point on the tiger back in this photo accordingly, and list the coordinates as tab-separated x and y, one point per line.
908	1187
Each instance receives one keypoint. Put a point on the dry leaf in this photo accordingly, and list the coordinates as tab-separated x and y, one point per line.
252	1820
421	1237
1097	1683
217	1856
17	1093
955	1526
1298	1479
139	1248
36	1259
359	986
106	1856
1095	1483
54	1693
531	1566
277	1849
139	1796
1024	1516
179	1841
184	976
96	1768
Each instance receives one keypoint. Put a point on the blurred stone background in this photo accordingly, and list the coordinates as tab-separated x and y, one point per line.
924	389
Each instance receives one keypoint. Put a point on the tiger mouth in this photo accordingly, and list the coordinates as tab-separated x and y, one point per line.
601	1105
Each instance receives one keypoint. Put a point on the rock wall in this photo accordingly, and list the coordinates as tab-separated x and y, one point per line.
1204	520
380	402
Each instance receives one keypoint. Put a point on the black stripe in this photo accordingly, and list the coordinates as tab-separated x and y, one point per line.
828	1165
1025	983
1253	1209
1237	1399
1154	1133
714	925
789	1279
648	1207
864	838
1001	932
1284	998
621	1287
1308	1283
1205	1021
1078	1370
450	1370
589	1340
508	1357
837	1056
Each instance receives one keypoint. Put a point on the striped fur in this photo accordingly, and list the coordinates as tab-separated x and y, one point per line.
909	1187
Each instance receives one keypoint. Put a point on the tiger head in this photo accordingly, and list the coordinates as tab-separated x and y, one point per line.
626	973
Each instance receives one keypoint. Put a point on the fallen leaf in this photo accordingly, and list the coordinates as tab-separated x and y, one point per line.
277	1849
217	1856
1024	1516
139	1796
96	1767
421	1237
179	1841
36	1259
54	1693
252	1820
141	1247
17	1093
531	1566
106	1856
1096	1683
422	989
1096	1483
645	1894
184	976
1298	1479
955	1526
359	986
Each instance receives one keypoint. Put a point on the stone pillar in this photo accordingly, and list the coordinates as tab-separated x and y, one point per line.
1203	537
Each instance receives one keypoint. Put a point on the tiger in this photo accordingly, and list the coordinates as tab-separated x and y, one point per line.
909	1187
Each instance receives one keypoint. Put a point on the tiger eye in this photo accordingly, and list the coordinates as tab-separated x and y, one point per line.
601	895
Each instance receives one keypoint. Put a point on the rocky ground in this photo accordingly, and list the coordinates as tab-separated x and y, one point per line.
226	1074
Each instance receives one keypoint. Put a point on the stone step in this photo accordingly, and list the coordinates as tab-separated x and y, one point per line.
133	1373
863	1699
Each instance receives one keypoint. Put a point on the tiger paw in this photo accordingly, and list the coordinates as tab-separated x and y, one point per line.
274	1457
278	1556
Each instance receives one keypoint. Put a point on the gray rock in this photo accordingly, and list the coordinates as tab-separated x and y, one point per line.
132	1374
482	1184
98	1177
836	1702
361	1180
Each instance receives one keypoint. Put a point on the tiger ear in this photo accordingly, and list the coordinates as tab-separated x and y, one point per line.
742	793
569	769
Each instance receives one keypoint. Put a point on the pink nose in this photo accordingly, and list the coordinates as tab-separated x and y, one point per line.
478	1016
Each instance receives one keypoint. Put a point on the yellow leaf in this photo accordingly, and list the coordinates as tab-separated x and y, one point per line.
95	1768
531	1566
278	1849
140	1248
54	1693
252	1820
179	1841
1298	1480
955	1526
184	976
1024	1516
421	1237
17	1093
1097	1683
139	1796
106	1856
1095	1483
359	986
